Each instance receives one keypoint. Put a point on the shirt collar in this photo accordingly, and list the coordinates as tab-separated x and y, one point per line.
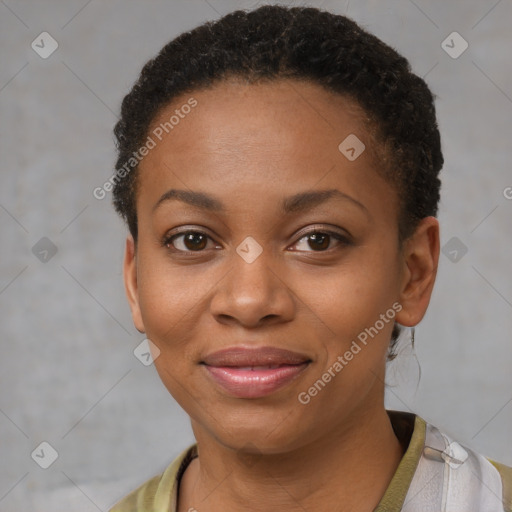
409	429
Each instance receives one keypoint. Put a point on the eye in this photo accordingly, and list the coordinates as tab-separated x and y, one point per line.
320	241
187	241
197	241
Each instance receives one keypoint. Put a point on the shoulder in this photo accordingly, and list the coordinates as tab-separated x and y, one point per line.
438	473
469	480
141	499
158	494
506	478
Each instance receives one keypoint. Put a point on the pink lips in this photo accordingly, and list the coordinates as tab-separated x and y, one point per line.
254	372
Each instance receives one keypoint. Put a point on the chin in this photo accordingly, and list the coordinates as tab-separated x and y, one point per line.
265	433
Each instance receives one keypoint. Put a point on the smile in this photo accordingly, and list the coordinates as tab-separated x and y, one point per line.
254	372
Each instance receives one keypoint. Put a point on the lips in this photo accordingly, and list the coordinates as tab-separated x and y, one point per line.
254	372
245	357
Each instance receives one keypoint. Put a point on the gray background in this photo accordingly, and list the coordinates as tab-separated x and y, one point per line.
68	372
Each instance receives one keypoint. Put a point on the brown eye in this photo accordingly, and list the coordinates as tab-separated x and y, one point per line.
188	241
320	241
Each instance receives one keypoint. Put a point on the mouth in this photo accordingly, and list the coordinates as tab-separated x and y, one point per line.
254	372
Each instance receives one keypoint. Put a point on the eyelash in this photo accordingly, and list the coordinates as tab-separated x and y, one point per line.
343	240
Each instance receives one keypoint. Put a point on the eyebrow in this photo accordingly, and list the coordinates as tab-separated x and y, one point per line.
297	203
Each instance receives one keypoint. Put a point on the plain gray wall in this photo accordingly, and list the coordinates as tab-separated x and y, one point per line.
68	373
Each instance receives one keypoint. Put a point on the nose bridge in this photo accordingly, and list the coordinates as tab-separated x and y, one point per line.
252	289
252	278
253	266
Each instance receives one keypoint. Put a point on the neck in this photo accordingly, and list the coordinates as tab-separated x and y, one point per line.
353	466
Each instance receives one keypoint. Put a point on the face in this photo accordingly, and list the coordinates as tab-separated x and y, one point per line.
259	238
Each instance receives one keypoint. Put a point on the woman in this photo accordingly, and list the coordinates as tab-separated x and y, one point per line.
278	172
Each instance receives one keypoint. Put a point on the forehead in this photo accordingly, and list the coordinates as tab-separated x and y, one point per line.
271	138
234	113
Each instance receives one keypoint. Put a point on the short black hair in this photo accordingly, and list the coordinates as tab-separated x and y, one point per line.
304	43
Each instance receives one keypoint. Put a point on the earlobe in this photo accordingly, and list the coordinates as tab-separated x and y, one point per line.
421	256
131	282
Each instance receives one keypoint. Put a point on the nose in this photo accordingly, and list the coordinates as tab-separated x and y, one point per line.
253	294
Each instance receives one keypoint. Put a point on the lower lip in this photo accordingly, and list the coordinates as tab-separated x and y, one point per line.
254	383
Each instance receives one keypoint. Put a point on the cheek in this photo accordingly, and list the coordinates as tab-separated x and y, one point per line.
169	299
347	304
351	297
353	338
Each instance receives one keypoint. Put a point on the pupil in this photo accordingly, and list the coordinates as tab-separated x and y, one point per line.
321	239
195	241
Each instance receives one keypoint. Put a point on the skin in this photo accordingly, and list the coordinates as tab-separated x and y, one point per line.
251	146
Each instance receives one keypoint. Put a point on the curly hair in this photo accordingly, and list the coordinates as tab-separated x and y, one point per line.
303	43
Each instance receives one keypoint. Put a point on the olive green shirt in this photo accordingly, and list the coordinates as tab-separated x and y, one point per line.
160	493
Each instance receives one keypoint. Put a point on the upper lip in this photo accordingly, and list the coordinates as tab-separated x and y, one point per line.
261	356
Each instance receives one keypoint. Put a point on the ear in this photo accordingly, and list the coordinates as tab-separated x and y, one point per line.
130	282
421	257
